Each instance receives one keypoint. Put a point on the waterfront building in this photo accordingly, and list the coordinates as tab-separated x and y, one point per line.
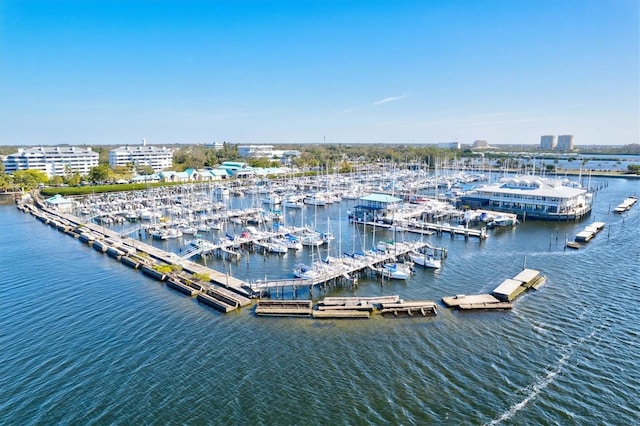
206	175
215	145
193	175
53	160
267	151
173	176
548	142
532	197
142	155
237	169
565	143
480	144
376	207
146	178
449	145
61	204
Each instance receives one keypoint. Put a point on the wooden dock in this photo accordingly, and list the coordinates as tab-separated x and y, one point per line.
340	268
223	292
502	295
582	237
626	205
424	308
284	308
474	301
341	314
427	228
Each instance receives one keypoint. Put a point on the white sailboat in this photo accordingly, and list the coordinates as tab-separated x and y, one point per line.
425	259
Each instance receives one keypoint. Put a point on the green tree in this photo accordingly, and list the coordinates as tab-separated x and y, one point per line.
73	179
56	180
6	182
100	173
144	170
29	179
122	172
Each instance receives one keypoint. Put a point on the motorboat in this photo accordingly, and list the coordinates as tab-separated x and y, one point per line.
200	245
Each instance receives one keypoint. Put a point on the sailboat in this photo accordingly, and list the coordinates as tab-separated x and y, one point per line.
425	259
397	271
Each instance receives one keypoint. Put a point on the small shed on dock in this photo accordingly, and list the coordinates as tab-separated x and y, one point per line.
61	204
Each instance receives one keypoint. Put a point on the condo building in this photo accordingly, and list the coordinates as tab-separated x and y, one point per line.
548	142
142	155
53	160
565	143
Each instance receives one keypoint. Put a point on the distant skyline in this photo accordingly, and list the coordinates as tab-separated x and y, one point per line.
249	72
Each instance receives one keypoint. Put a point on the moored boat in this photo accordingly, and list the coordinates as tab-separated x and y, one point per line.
425	259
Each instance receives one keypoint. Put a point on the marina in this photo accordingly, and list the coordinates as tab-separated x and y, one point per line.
125	321
165	266
184	215
388	260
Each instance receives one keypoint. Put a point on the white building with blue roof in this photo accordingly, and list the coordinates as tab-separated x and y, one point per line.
61	204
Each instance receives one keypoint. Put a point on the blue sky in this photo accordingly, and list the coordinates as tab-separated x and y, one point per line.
506	71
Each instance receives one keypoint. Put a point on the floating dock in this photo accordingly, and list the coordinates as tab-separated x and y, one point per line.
626	205
586	235
284	308
475	301
342	268
502	295
341	314
423	308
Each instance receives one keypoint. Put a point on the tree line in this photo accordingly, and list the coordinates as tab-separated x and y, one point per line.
314	157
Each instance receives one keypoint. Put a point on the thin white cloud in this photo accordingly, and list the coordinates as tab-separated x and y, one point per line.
389	99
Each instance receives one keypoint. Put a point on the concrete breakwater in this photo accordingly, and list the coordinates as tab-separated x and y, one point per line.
180	275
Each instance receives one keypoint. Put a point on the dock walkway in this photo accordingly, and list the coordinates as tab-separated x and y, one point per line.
427	228
343	267
217	277
502	296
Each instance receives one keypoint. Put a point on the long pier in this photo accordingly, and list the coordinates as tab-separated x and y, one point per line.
102	233
341	268
430	228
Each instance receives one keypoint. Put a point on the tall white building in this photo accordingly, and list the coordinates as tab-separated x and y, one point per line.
565	143
142	155
548	142
53	160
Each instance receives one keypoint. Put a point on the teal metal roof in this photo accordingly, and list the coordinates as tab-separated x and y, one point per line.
381	198
58	199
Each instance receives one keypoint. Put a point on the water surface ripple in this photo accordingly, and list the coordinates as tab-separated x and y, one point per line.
86	340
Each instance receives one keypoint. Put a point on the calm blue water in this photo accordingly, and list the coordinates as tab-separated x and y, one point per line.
86	340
